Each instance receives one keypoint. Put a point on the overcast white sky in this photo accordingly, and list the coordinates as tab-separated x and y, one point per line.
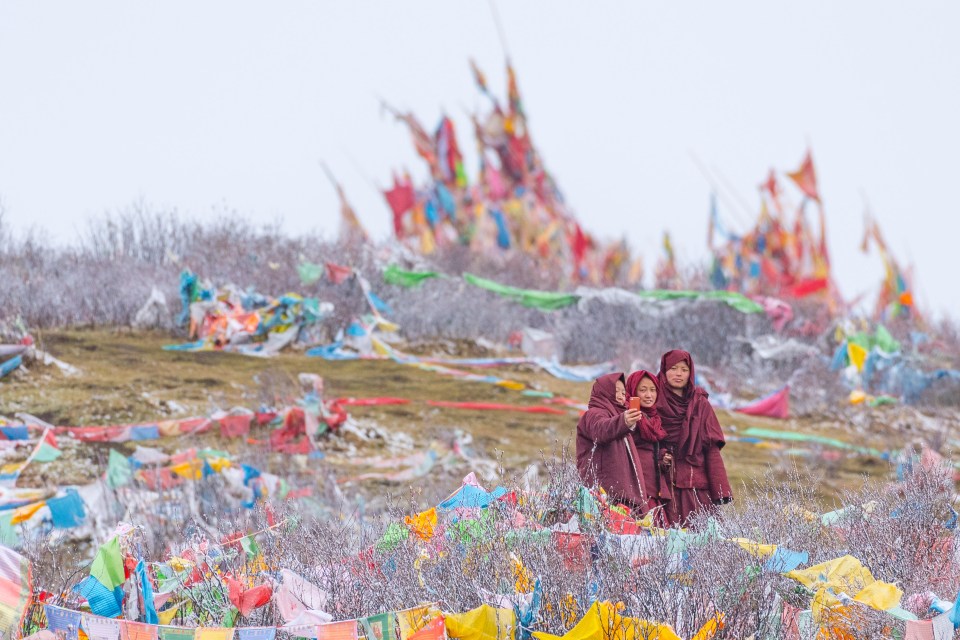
209	105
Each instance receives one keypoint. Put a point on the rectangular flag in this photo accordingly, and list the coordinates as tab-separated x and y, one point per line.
343	630
99	628
16	585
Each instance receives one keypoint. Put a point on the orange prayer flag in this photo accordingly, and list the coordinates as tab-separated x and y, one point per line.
806	178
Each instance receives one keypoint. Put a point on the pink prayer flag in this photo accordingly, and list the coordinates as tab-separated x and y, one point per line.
919	630
138	631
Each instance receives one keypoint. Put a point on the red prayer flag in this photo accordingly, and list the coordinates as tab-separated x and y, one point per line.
235	426
337	274
775	405
401	199
247	601
807	287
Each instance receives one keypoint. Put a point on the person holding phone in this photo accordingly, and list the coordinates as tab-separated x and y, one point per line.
693	441
643	389
606	454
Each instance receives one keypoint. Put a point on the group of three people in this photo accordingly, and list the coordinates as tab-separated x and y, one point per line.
662	458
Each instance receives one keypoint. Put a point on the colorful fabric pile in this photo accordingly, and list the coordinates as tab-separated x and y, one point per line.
895	298
243	322
207	588
780	255
513	204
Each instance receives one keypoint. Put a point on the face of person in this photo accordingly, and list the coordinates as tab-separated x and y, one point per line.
678	376
647	392
621	392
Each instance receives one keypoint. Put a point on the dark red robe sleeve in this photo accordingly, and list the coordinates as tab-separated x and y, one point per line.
602	430
718	484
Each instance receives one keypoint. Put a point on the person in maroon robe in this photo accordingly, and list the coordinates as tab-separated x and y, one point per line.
646	437
691	449
606	453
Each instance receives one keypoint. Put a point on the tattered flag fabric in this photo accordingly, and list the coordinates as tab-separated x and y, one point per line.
16	587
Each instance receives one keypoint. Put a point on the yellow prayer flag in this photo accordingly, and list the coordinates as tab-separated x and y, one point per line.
213	633
858	355
412	620
710	628
841	575
24	513
483	623
166	616
603	622
880	595
755	548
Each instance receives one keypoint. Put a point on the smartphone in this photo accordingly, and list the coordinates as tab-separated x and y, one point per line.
635	403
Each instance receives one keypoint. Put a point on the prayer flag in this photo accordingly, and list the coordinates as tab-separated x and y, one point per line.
483	623
16	586
214	633
67	511
103	588
806	178
47	449
380	627
338	274
344	630
176	633
98	628
138	631
63	620
410	621
256	633
436	629
119	472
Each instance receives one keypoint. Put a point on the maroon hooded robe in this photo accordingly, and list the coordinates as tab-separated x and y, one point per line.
647	437
698	476
606	455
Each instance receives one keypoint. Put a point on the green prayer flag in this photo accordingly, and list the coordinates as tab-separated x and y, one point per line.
309	272
46	452
861	339
250	545
392	537
176	633
380	627
400	277
880	401
546	300
107	566
119	471
230	617
586	504
885	341
734	299
8	533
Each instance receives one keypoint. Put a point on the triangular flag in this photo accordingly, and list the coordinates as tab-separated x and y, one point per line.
806	178
47	449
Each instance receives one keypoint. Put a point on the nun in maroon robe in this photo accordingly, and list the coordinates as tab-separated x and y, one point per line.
606	453
647	437
692	445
